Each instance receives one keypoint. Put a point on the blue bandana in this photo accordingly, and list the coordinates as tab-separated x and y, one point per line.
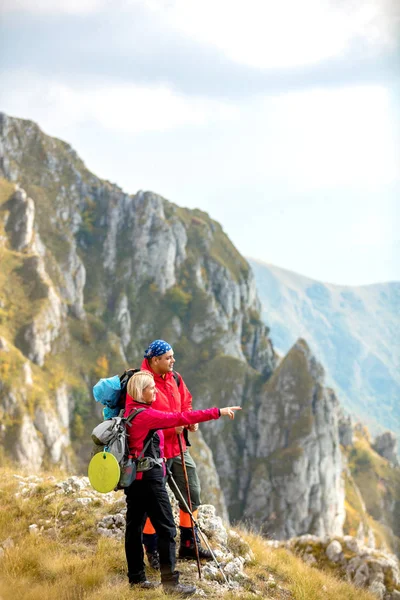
157	348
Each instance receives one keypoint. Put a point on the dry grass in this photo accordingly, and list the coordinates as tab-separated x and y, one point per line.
71	561
7	189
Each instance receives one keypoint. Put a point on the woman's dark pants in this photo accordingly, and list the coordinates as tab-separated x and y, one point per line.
149	498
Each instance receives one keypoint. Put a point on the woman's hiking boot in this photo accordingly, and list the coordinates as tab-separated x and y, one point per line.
145	585
171	585
187	547
139	580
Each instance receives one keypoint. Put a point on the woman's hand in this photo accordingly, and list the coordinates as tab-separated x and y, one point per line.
229	411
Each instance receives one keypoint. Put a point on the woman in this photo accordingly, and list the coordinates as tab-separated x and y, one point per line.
147	495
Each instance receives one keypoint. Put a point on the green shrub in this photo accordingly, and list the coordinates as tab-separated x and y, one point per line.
178	300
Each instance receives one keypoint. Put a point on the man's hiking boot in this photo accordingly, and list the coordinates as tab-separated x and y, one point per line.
189	552
150	543
180	589
154	560
171	585
187	548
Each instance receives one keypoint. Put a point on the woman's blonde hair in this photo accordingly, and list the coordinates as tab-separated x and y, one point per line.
137	383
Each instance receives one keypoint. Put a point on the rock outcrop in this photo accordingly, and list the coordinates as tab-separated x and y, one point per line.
362	565
296	484
36	337
386	445
345	430
21	219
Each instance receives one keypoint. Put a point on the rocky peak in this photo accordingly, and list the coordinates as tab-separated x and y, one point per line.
296	484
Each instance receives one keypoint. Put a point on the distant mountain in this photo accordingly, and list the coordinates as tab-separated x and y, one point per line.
353	331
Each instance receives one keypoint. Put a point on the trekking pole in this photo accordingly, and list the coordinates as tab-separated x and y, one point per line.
197	525
196	546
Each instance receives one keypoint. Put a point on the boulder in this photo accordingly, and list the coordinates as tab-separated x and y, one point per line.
334	551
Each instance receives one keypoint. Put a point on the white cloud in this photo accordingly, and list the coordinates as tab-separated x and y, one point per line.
53	6
259	33
307	140
270	34
335	137
121	108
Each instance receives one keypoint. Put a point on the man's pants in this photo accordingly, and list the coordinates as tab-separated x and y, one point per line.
175	466
149	497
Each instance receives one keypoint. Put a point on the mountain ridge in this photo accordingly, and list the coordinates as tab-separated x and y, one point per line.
352	330
314	279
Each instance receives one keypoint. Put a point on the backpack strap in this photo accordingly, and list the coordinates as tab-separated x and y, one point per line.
146	446
124	378
126	375
133	414
177	378
128	421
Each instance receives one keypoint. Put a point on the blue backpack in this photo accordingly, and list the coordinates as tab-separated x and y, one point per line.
111	391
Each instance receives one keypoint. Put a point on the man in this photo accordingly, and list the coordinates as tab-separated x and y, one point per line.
173	395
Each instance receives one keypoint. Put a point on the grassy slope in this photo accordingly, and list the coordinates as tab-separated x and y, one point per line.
73	562
379	485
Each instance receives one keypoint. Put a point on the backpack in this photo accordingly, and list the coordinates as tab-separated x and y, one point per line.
111	391
111	435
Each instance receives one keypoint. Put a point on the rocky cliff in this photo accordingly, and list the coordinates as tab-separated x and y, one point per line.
90	275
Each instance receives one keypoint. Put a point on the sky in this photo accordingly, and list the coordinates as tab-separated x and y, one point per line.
279	118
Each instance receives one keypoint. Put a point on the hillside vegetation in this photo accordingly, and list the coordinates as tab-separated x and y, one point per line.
372	493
